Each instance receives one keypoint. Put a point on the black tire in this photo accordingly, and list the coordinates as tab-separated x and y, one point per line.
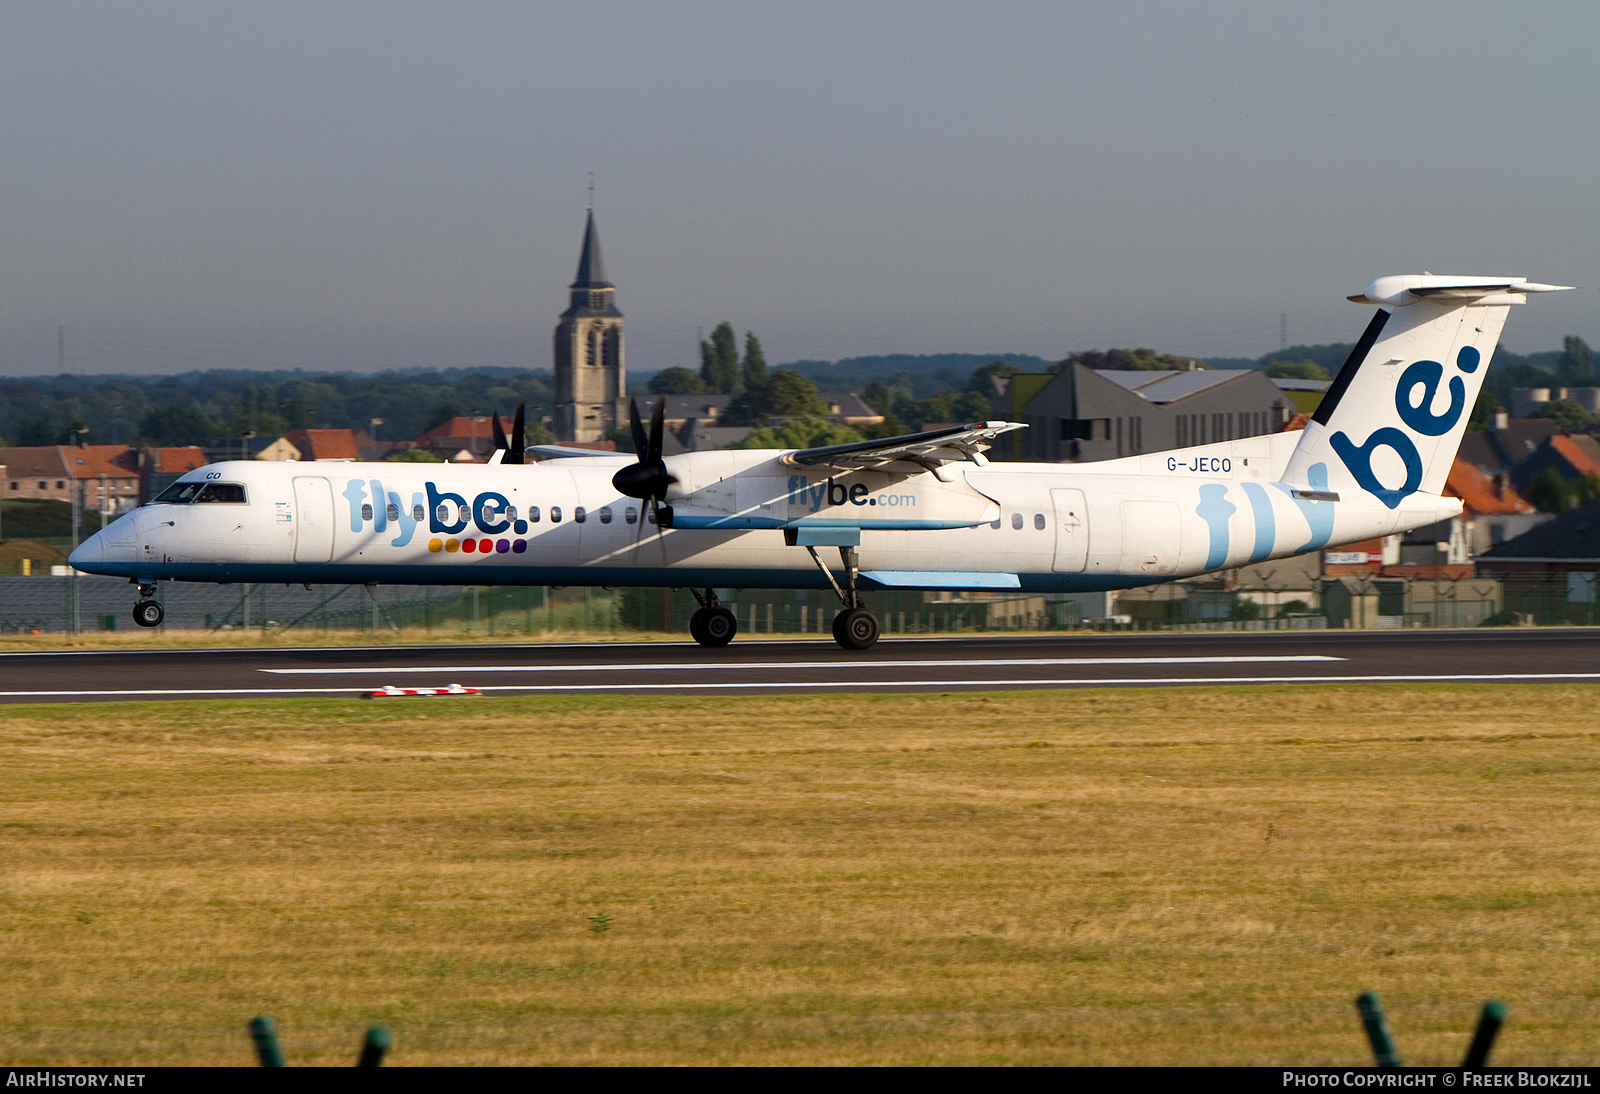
697	626
855	629
719	627
147	613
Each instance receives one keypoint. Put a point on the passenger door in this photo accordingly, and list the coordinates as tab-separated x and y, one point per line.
1072	531
313	505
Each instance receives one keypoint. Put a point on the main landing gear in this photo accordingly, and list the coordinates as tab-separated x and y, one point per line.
855	628
147	612
712	624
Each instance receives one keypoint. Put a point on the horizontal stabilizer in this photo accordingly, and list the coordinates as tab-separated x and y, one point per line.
1399	290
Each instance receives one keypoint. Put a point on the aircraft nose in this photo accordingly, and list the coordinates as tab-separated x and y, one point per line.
86	554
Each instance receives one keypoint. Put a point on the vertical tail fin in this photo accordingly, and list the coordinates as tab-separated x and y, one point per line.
1392	420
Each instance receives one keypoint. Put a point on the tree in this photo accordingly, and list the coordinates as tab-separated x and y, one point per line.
982	380
1577	362
755	363
1565	411
174	426
414	455
443	413
969	406
889	427
719	360
1550	493
787	394
35	431
799	433
299	413
1138	360
1297	370
675	381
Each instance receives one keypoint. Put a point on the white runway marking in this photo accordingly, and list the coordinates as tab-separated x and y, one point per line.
712	666
813	687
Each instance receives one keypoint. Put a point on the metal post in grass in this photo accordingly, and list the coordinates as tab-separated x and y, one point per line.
1494	1014
266	1039
372	1049
1383	1050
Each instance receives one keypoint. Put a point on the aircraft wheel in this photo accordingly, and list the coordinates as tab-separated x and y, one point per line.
718	628
147	613
855	629
697	626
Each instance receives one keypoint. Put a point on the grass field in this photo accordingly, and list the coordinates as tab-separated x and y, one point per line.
1115	876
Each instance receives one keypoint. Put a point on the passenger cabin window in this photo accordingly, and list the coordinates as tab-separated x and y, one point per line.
555	514
179	493
995	523
392	512
225	493
1038	521
511	512
533	514
442	514
418	514
1016	521
580	514
631	515
605	514
366	512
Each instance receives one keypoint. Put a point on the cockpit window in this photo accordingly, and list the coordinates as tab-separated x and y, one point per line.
228	493
179	493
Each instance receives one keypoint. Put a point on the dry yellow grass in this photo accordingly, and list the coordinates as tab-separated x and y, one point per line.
1135	876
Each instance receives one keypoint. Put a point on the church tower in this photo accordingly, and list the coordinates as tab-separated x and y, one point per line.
591	382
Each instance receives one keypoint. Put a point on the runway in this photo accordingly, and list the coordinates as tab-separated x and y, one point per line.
812	666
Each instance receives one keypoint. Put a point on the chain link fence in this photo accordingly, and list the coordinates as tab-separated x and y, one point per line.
81	604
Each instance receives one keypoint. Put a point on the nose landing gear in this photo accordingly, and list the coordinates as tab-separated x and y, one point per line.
712	624
147	612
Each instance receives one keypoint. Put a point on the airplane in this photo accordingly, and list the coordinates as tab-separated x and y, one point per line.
925	511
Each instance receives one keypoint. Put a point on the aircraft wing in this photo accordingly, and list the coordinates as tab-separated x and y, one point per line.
929	450
562	452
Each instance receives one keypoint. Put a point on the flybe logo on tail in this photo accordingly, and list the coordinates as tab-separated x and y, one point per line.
1419	416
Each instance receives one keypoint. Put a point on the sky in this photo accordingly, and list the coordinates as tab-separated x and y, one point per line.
362	186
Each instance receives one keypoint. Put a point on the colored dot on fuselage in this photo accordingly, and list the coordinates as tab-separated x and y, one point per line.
451	545
436	545
469	545
502	545
519	545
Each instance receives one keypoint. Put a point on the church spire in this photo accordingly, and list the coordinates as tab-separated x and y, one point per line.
591	266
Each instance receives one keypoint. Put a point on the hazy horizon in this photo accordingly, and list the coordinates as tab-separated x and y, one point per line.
396	186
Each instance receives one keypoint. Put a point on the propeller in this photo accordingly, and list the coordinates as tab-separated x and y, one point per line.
516	451
648	479
514	447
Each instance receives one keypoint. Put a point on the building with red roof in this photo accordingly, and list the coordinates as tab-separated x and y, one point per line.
108	474
329	444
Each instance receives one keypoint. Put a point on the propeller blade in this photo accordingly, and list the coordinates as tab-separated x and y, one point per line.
499	433
657	417
517	449
639	441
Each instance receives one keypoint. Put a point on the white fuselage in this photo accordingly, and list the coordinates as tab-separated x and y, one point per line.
1041	527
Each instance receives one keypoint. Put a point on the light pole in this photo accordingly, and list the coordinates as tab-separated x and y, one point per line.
374	423
475	421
